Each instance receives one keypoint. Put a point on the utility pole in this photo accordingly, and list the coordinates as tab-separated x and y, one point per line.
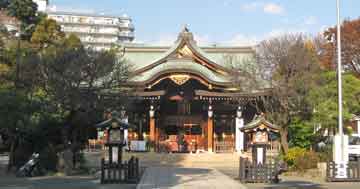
340	149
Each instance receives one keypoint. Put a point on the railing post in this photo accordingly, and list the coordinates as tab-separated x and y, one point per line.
137	168
131	163
126	167
334	170
327	170
241	168
102	171
358	168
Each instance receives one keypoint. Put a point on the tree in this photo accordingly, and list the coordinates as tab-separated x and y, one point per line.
26	12
46	33
350	40
324	99
4	4
73	78
289	64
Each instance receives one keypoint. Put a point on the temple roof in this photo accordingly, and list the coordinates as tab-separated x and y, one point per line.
107	123
184	66
260	122
185	57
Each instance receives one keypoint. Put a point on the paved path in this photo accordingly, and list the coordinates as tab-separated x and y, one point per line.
194	178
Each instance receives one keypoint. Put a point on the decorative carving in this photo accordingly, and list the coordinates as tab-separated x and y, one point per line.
180	79
185	51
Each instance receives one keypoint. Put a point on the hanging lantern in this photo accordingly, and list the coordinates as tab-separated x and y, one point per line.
210	112
122	112
239	112
152	111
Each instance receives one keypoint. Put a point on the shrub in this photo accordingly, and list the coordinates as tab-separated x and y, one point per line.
49	158
309	160
300	159
292	154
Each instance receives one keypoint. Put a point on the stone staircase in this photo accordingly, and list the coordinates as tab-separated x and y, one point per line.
227	163
174	159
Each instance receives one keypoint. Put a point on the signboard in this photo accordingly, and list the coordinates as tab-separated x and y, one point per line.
114	136
138	146
261	137
260	155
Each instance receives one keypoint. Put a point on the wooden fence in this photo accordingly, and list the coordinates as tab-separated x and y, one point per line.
259	173
127	172
224	146
352	172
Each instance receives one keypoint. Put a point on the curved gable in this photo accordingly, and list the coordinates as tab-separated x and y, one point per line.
183	57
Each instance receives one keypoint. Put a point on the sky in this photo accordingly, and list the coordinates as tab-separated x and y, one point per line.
230	22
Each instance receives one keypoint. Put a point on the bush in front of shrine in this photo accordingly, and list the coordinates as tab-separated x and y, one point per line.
301	159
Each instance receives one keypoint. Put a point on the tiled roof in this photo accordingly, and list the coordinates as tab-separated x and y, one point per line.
258	121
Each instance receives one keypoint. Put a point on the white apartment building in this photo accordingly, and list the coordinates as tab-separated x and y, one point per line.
96	31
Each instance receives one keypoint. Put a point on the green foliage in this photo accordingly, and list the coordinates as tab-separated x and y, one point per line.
324	99
24	10
4	4
301	134
49	82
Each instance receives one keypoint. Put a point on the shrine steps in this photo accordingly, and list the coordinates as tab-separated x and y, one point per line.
201	160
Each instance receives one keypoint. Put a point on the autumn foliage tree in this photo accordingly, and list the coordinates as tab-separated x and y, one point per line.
350	41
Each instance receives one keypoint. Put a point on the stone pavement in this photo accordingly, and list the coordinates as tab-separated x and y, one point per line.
194	178
58	182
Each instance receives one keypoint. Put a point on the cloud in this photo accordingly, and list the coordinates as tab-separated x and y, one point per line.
242	40
310	20
273	8
252	40
269	8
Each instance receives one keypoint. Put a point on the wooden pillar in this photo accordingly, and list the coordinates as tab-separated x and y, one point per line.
152	129
210	130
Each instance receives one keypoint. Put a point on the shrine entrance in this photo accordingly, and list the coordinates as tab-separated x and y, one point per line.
185	98
183	121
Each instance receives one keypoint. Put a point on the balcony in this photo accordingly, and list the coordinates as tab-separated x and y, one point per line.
126	34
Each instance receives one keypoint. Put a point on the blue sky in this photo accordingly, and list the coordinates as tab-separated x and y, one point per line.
235	22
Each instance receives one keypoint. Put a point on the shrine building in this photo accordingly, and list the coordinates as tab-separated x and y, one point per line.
187	98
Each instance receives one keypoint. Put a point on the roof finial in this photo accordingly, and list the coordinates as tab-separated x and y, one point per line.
186	29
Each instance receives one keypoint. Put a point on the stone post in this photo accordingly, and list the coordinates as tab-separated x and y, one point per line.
239	135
